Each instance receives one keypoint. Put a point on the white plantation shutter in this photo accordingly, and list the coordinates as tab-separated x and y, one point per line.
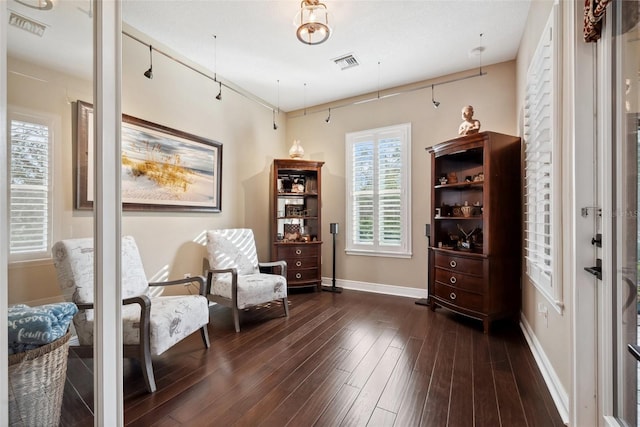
30	189
541	161
378	208
389	186
362	216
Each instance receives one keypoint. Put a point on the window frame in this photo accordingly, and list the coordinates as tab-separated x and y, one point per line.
550	287
53	124
404	250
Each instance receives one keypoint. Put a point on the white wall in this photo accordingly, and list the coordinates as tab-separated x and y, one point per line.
551	333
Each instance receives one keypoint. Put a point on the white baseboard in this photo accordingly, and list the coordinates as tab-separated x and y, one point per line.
377	288
558	393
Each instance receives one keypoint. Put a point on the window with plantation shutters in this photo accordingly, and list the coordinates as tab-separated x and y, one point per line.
30	187
541	162
378	191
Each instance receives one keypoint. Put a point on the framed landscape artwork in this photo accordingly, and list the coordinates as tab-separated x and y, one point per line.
163	169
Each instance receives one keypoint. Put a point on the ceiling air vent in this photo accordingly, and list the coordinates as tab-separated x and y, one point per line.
26	24
346	61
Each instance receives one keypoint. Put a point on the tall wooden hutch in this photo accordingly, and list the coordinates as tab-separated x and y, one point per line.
476	244
296	220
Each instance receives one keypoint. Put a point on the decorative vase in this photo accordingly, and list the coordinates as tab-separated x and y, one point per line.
296	151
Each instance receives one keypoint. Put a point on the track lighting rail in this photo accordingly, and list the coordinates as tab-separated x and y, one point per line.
480	73
262	103
215	79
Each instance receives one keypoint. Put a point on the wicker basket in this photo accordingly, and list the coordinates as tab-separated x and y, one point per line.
36	384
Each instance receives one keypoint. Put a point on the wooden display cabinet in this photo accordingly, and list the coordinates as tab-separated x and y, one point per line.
476	243
296	220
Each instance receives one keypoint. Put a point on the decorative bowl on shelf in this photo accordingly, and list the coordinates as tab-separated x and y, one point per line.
466	211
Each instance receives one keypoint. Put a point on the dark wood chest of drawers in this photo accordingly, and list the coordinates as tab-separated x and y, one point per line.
459	283
476	285
303	263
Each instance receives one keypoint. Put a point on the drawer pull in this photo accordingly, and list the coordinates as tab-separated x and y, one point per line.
298	275
452	296
298	263
453	263
453	280
298	251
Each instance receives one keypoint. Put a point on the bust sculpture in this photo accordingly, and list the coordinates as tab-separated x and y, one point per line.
469	125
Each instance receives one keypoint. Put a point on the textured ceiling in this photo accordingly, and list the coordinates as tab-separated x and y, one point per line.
395	42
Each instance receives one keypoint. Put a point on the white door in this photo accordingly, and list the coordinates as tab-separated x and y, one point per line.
619	322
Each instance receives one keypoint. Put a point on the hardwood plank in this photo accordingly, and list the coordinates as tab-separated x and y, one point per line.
394	389
352	358
461	401
74	410
536	399
485	403
381	418
436	406
404	330
235	400
369	362
318	401
415	394
322	360
424	321
80	375
325	377
259	376
507	393
365	404
338	407
200	392
410	411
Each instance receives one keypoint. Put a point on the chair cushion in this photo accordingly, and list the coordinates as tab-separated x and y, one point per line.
232	248
73	259
252	288
172	319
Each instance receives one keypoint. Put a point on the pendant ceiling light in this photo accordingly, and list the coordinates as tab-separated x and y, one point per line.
312	22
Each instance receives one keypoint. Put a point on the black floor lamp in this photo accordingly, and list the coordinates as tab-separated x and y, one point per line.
333	229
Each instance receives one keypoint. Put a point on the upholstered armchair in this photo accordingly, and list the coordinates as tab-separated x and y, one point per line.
235	278
151	325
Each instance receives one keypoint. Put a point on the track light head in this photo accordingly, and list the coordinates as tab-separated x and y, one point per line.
435	103
149	73
219	95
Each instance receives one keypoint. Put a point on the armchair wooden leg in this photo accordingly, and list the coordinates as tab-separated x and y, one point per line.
236	318
147	368
205	336
285	302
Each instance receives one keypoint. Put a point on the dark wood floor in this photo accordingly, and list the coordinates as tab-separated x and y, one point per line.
339	359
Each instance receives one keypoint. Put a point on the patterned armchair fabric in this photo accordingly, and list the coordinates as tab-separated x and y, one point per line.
234	278
165	320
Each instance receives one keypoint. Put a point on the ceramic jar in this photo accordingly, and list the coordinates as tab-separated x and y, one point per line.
296	151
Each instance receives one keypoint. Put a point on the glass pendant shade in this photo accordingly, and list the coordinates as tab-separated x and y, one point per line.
313	22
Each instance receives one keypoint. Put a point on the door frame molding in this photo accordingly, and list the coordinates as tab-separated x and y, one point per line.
579	105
